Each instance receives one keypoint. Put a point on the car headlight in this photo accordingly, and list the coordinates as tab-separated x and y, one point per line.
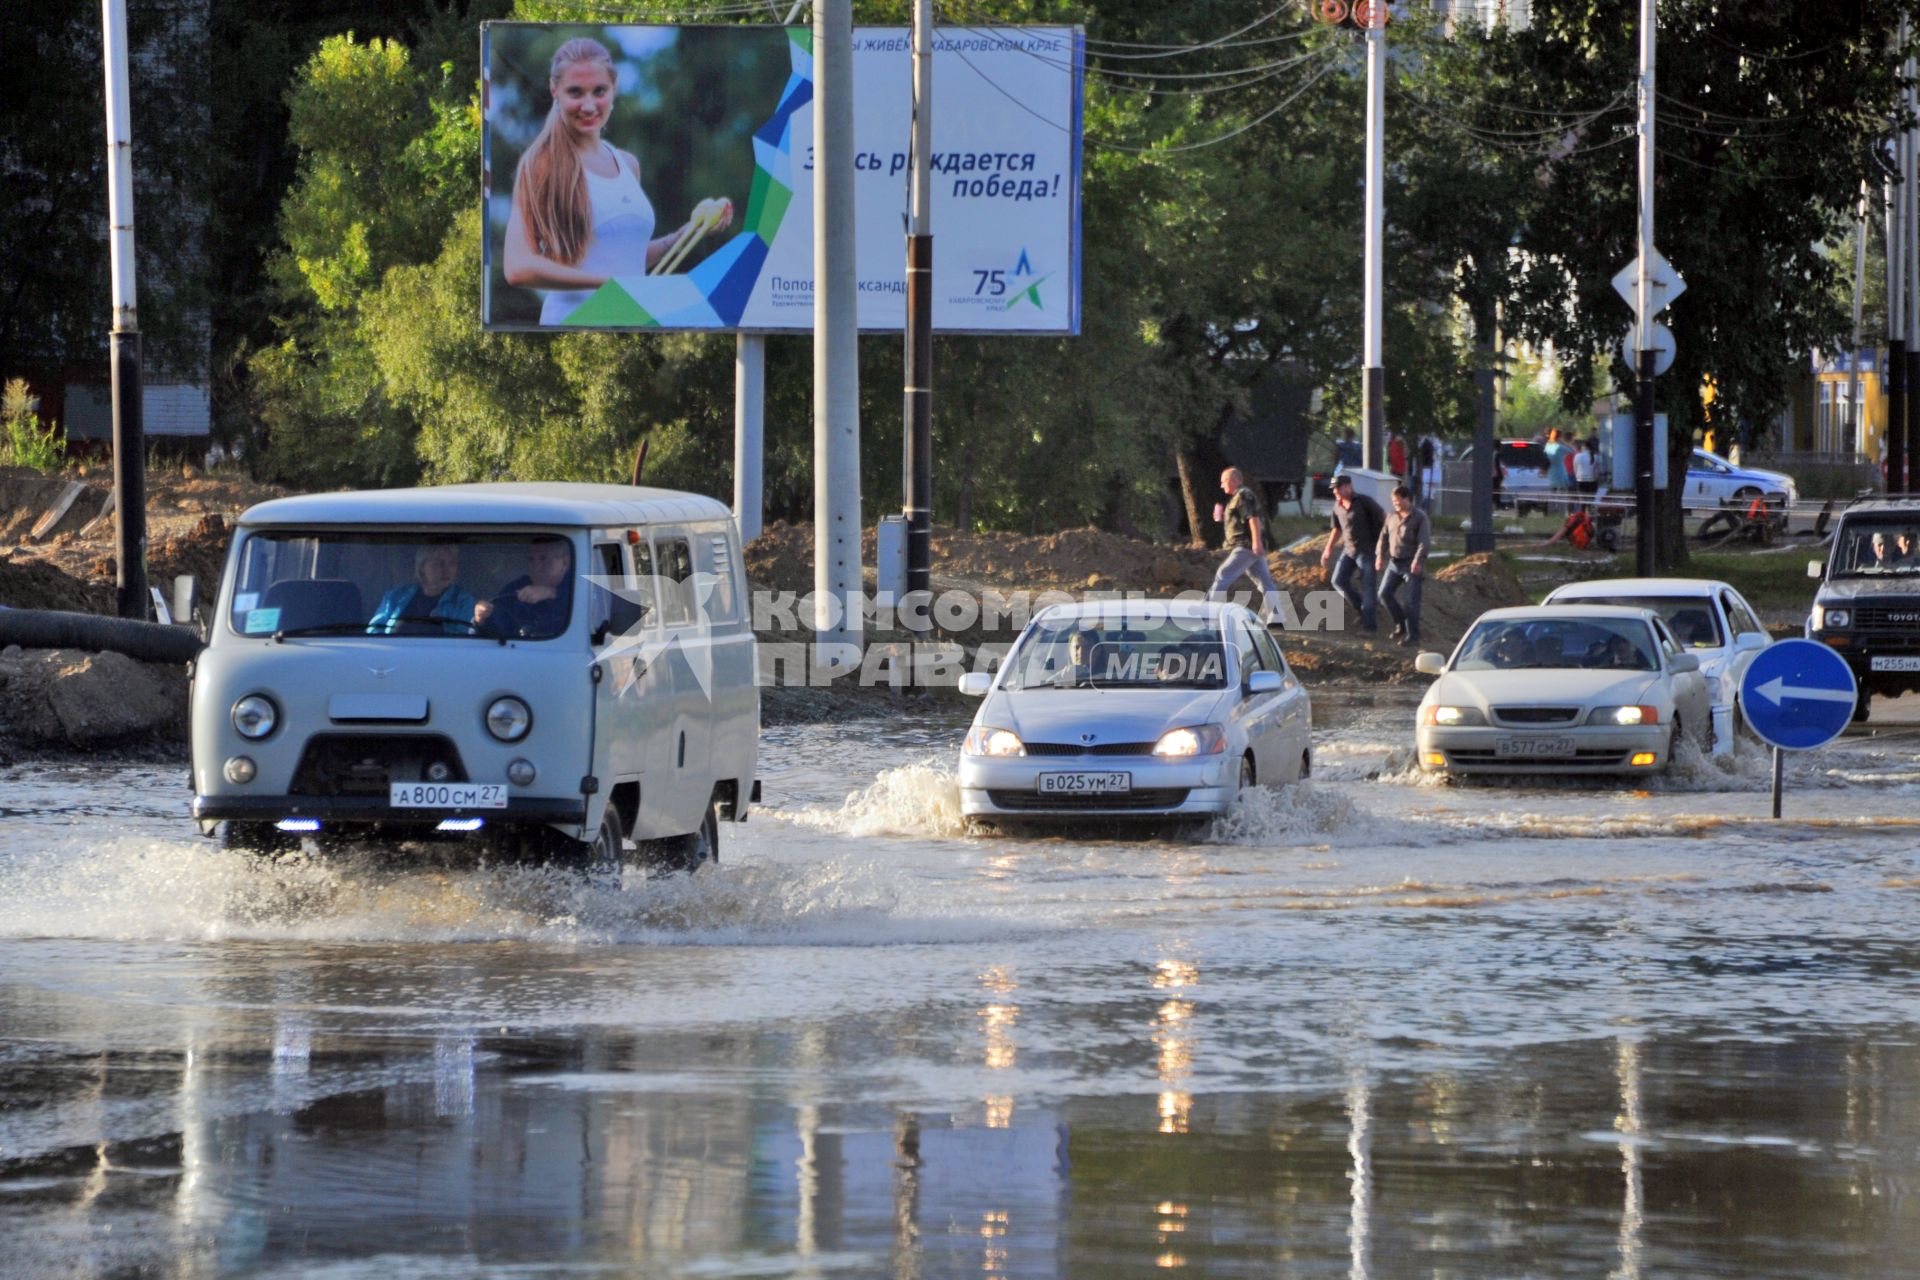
508	719
1624	715
254	716
1449	717
985	740
1192	740
1825	619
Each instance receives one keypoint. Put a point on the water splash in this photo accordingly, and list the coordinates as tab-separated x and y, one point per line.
919	799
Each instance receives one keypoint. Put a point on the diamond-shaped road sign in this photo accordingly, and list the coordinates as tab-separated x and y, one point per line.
1667	284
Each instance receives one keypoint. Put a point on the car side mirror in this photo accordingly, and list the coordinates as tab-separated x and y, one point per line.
1430	664
974	684
1683	662
1751	640
1816	568
1264	682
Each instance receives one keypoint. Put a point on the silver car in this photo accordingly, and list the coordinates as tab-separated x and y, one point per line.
1561	689
1142	709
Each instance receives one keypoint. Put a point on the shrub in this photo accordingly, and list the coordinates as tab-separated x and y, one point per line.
22	440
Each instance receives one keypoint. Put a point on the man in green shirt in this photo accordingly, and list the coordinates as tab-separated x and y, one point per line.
1246	541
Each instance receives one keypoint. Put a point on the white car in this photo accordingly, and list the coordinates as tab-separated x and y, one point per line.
1561	689
1712	619
1141	709
1712	481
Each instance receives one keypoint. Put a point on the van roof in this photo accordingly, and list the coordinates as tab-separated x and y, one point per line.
546	503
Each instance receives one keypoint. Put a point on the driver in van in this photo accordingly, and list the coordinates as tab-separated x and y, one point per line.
534	605
431	600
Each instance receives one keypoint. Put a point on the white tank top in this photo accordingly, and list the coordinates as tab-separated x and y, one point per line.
623	224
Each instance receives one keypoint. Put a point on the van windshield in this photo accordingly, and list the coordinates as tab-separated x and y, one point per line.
492	586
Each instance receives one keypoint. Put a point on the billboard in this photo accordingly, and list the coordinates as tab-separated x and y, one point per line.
652	178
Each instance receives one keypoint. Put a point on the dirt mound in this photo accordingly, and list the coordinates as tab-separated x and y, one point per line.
26	495
36	584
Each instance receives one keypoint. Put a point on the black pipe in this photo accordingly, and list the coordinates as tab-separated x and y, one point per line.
58	629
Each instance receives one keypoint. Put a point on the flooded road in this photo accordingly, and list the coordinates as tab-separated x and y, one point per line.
1371	1026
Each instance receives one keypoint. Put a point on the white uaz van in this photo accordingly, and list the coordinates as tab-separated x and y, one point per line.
559	668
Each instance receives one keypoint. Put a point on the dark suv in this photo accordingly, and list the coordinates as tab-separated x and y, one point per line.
1868	604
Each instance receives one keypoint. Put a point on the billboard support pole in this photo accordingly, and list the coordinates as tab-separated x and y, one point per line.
837	578
1646	544
129	429
749	433
918	462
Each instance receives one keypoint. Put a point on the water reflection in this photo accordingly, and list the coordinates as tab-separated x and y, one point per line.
1173	1040
506	1152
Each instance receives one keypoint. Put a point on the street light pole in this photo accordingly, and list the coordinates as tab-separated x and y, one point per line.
836	362
1373	411
129	431
1646	516
918	463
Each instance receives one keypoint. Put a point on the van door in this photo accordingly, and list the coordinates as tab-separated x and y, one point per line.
736	699
651	706
687	651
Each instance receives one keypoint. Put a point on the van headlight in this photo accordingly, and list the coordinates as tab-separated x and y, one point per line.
1191	740
985	740
1825	619
254	716
508	719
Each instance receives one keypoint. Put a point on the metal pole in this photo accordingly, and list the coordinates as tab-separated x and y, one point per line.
1855	438
836	353
1779	773
1646	513
918	462
1485	448
129	431
1373	411
749	433
1896	374
1907	432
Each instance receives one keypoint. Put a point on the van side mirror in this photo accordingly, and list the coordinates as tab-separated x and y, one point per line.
1430	664
1816	568
974	684
623	616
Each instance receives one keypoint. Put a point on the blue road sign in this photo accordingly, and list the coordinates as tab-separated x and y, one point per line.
1798	694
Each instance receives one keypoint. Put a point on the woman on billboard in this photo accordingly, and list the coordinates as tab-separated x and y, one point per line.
580	216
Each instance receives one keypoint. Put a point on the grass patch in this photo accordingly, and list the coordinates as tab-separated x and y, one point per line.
1768	579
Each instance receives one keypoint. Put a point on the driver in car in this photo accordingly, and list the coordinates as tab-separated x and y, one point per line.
1079	670
1511	650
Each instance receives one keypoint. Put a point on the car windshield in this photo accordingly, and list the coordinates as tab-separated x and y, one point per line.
1511	644
1123	652
1691	618
492	586
1877	547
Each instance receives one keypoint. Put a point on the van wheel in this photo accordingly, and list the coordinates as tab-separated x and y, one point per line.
260	840
601	859
1862	707
689	852
1306	765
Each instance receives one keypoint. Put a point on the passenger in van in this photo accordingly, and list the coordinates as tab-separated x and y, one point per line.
537	604
433	601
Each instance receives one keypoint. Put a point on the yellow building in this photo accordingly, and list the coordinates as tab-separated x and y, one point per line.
1831	425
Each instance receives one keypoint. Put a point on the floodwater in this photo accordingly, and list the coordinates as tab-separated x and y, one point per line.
1368	1027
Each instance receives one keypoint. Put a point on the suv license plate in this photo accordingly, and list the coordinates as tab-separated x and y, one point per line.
1534	747
1896	664
449	795
1085	784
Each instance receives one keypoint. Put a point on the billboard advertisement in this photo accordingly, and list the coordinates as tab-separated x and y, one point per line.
652	178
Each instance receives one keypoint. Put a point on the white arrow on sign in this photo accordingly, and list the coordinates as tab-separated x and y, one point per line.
1666	284
1663	349
1777	688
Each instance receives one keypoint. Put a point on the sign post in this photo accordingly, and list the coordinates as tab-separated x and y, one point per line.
1797	695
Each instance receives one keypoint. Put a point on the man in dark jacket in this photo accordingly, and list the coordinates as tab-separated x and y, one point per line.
1355	533
538	605
1402	560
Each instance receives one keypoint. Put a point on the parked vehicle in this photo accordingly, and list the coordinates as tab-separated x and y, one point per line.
1711	619
1148	709
557	666
1561	689
1526	473
1867	607
1712	481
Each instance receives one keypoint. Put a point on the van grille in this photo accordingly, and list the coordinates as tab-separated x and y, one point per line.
366	764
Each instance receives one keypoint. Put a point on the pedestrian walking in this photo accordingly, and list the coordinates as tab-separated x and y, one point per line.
1246	526
1400	557
1428	486
1396	457
1586	468
1353	537
1346	452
